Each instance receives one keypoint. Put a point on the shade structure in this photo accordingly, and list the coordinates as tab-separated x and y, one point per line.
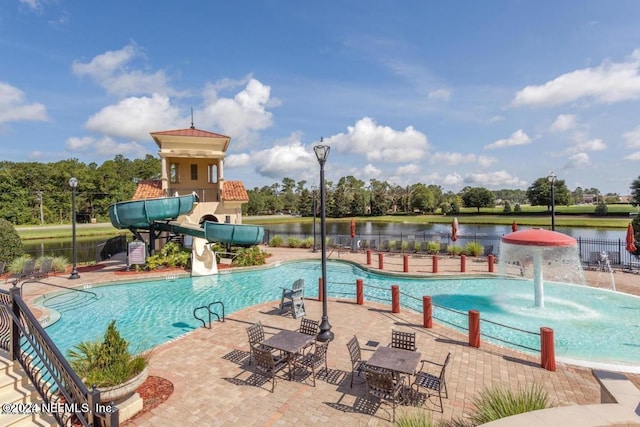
454	229
514	227
353	228
631	240
539	237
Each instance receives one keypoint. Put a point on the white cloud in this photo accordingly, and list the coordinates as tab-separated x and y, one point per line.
519	137
105	146
591	145
14	108
134	118
608	83
496	119
563	123
452	180
237	160
633	156
282	161
381	142
241	116
371	171
454	159
411	169
497	179
33	5
111	70
440	94
578	160
632	138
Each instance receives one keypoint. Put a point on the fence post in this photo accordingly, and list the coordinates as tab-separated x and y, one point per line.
14	345
320	289
395	299
427	312
474	328
359	292
434	268
547	349
380	261
405	264
490	260
368	256
463	263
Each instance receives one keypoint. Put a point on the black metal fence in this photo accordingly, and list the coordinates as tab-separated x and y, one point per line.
593	252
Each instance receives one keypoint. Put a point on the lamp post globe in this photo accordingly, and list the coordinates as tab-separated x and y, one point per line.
73	183
552	180
322	151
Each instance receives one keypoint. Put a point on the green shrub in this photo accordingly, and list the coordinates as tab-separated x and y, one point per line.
433	247
307	243
276	241
16	265
171	255
454	249
500	402
60	264
10	244
601	209
405	246
246	257
507	207
474	248
105	363
294	242
416	247
415	419
517	208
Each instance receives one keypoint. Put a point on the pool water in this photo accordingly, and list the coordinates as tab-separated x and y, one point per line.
591	325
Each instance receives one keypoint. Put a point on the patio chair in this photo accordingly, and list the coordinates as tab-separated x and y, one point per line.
357	363
293	299
383	385
267	365
255	333
309	327
432	382
314	360
27	270
46	267
403	340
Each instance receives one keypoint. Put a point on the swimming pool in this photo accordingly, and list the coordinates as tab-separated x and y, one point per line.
592	325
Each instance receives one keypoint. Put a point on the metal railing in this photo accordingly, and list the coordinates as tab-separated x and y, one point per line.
48	371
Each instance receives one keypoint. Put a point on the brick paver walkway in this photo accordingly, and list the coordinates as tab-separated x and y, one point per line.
214	385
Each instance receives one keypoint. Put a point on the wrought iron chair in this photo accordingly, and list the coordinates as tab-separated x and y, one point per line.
357	363
403	340
27	270
268	365
314	360
384	385
46	267
309	327
432	382
255	333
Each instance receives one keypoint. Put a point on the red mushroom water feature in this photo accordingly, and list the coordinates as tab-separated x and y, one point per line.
537	241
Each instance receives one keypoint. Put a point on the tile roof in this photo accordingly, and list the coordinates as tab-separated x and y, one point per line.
234	191
190	132
148	189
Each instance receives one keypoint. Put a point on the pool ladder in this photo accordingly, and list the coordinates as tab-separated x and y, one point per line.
210	312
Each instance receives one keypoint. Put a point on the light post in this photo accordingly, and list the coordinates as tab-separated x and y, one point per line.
73	183
313	194
322	151
552	180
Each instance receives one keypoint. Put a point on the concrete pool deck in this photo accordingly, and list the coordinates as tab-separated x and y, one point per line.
215	386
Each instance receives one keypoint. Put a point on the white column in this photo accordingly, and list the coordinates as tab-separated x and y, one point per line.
164	177
537	277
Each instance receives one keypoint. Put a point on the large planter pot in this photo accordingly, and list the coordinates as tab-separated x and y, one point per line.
121	392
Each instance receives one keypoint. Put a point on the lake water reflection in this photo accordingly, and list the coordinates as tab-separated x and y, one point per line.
373	228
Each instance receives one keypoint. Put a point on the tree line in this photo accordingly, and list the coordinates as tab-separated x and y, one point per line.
353	197
34	193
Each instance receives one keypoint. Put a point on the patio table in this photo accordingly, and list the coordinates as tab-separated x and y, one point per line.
395	359
291	342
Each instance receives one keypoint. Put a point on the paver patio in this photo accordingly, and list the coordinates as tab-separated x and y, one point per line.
214	385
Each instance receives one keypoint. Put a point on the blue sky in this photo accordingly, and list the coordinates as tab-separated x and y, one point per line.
464	93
